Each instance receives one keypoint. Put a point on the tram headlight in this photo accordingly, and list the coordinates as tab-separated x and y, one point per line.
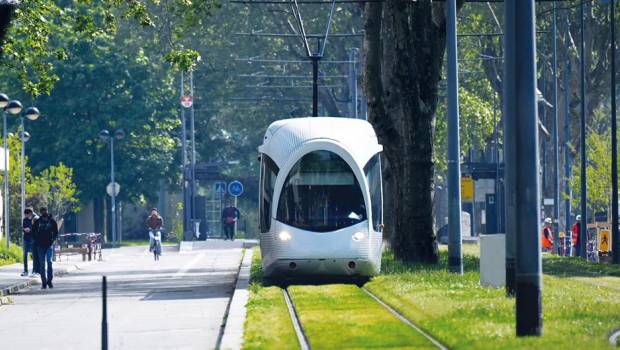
284	236
358	236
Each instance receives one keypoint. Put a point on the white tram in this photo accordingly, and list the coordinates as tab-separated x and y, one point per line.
320	198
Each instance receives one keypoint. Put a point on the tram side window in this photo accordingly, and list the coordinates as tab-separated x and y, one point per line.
269	171
373	174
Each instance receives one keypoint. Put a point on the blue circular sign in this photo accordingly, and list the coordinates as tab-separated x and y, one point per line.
235	188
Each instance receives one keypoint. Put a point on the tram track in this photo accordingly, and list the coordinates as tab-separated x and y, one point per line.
405	320
303	339
299	330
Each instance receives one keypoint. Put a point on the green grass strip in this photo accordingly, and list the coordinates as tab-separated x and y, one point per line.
344	317
267	324
11	255
581	304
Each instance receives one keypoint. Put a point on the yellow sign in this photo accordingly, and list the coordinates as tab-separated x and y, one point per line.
604	241
467	189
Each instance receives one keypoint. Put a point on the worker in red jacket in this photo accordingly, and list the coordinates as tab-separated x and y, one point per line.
576	229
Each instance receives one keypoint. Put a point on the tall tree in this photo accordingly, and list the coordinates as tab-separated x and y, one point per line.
404	47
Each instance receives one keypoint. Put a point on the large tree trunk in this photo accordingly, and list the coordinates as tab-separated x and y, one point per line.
404	46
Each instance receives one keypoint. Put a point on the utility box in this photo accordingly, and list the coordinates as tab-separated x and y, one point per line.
493	260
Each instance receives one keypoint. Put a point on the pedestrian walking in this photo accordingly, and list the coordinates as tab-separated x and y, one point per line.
28	242
230	215
576	229
547	236
45	232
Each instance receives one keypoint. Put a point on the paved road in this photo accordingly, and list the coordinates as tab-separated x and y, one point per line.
177	302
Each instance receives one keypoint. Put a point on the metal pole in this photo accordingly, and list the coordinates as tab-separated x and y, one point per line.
193	158
556	156
113	213
543	118
520	31
498	203
315	85
23	166
104	316
186	206
510	155
567	162
584	219
352	83
7	232
455	255
615	234
235	228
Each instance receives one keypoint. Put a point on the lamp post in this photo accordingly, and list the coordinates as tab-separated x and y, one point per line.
4	101
32	113
12	107
105	135
615	234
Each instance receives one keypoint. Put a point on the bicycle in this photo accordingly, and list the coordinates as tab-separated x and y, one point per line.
155	236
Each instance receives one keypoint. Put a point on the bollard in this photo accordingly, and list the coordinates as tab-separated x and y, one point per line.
104	319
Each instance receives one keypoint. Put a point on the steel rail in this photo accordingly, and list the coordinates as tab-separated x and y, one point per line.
405	320
299	330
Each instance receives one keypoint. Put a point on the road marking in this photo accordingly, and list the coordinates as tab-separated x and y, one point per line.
183	270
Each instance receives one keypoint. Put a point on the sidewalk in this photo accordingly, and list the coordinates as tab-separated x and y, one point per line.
11	281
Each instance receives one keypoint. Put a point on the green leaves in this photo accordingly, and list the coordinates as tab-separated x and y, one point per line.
598	173
184	60
54	188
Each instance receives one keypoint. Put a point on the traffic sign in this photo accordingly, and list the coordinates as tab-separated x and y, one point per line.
235	188
467	189
187	101
117	189
219	187
604	241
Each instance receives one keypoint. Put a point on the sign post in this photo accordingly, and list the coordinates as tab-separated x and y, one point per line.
235	189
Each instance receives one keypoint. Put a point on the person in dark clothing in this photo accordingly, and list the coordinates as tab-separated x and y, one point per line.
154	223
28	242
230	215
45	232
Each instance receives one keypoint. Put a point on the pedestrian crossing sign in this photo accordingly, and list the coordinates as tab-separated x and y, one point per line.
604	241
220	187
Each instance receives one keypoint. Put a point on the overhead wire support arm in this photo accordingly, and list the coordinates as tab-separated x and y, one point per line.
300	25
311	36
251	60
289	76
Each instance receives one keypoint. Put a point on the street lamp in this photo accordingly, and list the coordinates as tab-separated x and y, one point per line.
105	135
12	107
32	113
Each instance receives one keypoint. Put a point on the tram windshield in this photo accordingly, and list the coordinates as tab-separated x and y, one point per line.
321	194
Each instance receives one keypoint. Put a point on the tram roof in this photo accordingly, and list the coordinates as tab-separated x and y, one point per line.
284	136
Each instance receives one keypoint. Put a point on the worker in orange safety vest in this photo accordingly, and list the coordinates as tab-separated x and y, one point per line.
547	236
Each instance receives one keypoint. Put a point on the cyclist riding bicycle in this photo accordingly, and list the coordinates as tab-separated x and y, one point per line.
155	224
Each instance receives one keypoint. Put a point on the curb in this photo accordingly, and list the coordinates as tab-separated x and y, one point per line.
233	330
17	287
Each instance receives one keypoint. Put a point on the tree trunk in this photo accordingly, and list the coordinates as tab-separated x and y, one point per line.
404	46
